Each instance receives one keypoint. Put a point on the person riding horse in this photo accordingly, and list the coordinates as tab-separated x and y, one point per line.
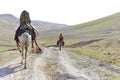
61	39
25	25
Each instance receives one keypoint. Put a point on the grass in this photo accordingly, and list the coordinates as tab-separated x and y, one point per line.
106	50
107	75
48	43
8	56
2	49
6	47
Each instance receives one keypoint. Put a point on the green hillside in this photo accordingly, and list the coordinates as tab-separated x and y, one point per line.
101	28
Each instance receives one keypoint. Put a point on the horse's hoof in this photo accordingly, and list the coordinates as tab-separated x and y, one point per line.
40	50
20	51
25	67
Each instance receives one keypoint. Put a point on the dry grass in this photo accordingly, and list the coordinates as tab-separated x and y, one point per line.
106	50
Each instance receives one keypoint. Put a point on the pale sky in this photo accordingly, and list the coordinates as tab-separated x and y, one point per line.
61	11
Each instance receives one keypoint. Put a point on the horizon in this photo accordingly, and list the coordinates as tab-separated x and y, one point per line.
62	23
63	11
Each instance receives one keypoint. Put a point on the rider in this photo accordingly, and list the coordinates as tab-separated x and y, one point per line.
24	24
60	39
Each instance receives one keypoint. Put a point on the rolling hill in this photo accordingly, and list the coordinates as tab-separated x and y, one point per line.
9	22
105	27
101	28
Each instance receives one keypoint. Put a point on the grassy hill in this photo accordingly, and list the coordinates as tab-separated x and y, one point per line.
43	25
101	28
7	20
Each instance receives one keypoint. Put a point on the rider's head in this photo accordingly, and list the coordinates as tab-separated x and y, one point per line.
25	17
60	34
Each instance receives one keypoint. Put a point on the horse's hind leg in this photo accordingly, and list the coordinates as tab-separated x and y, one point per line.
18	46
26	49
32	43
22	55
63	44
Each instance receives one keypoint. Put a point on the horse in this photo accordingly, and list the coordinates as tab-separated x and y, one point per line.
60	44
25	40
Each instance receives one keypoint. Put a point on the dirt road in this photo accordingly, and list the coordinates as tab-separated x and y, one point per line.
51	65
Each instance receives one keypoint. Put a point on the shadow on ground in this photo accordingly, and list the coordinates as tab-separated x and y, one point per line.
13	68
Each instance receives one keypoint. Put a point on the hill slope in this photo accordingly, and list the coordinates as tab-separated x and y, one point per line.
42	25
9	22
101	28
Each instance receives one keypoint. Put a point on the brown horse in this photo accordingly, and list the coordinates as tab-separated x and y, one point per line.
60	44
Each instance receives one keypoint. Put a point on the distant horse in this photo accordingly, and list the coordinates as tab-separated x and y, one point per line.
60	44
25	40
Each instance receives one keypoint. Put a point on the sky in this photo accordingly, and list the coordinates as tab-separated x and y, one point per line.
69	12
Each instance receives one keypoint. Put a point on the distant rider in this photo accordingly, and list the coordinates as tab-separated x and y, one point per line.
61	39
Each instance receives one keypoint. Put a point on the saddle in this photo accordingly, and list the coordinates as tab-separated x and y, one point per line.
22	31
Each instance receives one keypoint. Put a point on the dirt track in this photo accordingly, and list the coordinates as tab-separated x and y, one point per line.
51	65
